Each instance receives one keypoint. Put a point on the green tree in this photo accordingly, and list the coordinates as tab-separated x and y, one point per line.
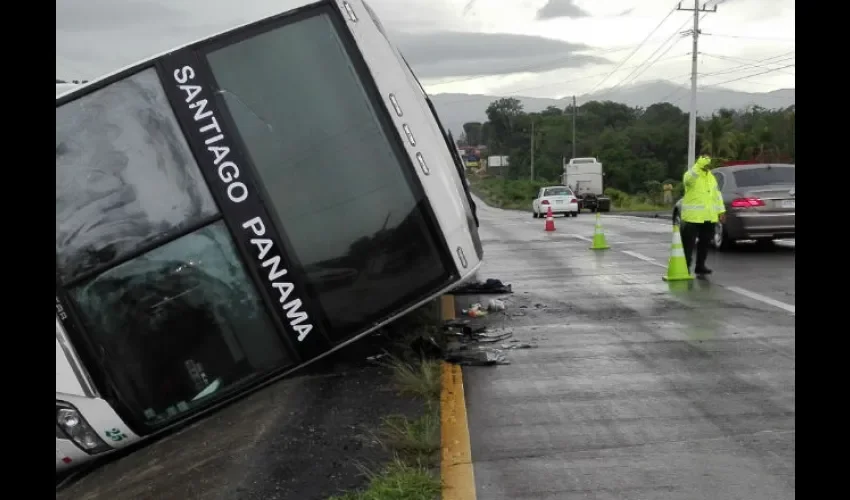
502	116
639	148
472	132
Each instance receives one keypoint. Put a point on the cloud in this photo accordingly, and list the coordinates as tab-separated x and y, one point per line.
95	37
100	14
561	8
447	53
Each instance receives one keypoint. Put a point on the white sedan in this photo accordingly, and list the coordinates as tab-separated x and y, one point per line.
560	198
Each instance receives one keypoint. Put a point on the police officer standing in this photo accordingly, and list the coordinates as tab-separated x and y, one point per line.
702	208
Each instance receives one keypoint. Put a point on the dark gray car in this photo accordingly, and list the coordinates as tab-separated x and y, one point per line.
760	203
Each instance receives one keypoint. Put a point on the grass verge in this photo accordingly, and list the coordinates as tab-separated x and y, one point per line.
517	195
414	443
508	194
641	207
420	379
398	481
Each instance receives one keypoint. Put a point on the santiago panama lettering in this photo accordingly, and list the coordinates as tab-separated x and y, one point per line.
237	192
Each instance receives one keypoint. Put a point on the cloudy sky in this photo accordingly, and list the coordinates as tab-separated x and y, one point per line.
540	48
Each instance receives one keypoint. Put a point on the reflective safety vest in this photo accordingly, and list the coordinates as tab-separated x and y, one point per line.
702	201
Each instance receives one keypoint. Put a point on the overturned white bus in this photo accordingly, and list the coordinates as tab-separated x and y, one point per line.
234	209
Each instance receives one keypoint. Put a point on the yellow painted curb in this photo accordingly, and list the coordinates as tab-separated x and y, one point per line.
456	462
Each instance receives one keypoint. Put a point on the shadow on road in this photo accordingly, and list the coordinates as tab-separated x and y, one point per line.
751	248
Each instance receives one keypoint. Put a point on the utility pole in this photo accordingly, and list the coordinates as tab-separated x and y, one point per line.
692	124
575	113
532	149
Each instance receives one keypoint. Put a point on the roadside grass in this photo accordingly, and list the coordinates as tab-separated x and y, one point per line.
638	206
517	195
503	193
416	441
641	202
415	367
397	481
421	379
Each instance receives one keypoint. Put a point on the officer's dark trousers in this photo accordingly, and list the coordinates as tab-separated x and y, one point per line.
701	235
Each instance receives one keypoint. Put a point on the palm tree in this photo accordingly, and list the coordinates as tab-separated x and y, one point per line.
718	137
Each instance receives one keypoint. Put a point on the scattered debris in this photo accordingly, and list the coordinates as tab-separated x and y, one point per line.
474	311
523	345
491	286
463	327
468	340
478	357
496	305
492	337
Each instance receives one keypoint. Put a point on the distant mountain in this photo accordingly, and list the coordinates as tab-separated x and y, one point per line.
457	109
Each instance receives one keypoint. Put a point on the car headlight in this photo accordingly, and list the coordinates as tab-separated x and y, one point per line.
75	427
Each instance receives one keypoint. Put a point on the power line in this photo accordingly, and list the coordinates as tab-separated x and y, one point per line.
773	59
538	66
676	91
594	75
744	67
756	63
750	76
677	32
747	60
554	83
641	69
635	50
743	37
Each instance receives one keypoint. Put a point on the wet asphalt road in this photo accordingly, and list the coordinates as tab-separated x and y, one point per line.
637	389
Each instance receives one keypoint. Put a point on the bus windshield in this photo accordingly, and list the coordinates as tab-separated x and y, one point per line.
342	191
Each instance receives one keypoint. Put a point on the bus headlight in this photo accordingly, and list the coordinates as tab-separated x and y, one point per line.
79	431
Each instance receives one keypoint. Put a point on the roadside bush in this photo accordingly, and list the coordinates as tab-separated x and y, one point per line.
639	202
618	198
505	193
517	194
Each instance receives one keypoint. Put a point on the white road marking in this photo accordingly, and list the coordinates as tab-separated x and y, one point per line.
643	257
761	298
741	291
584	238
660	221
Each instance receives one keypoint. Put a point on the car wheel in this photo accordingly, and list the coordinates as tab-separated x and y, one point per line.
721	238
575	214
534	214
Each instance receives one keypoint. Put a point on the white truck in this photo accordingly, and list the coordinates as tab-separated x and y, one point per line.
584	177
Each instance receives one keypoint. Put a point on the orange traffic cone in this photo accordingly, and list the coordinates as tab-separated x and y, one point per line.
550	220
